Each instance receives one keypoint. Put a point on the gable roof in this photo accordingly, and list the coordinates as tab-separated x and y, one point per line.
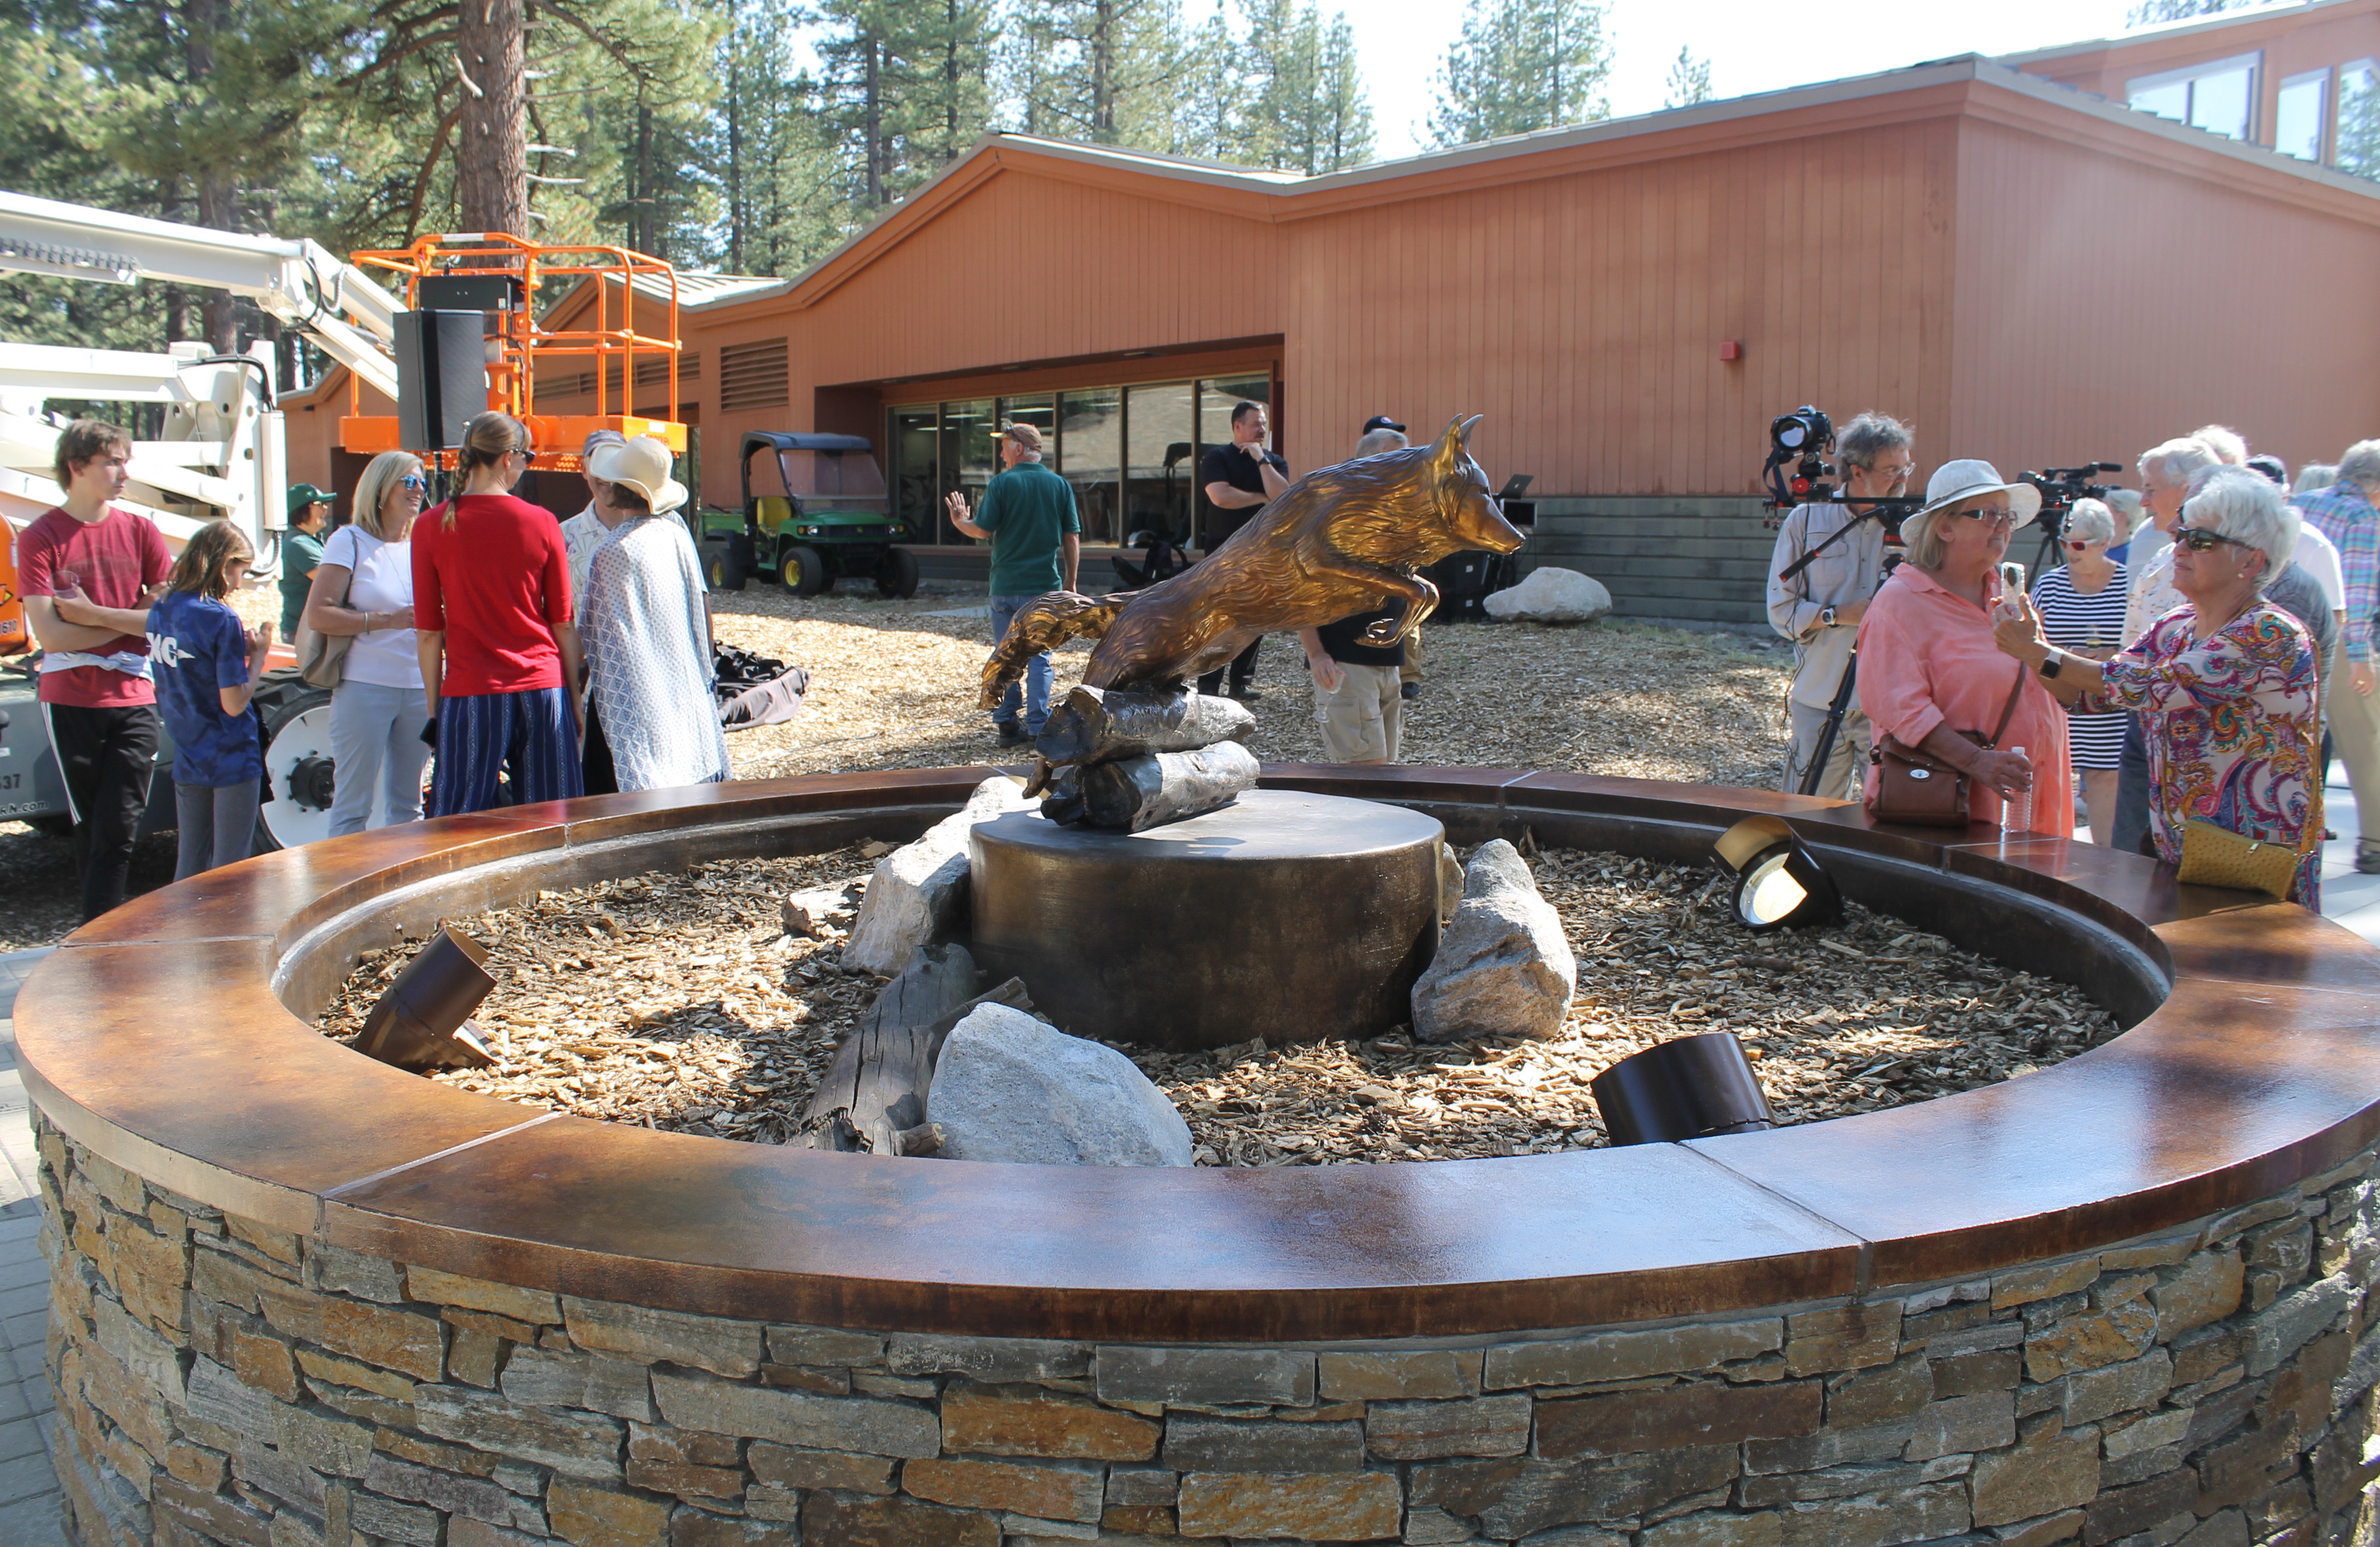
1970	84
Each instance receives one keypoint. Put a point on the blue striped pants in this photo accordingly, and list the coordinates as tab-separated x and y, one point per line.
528	737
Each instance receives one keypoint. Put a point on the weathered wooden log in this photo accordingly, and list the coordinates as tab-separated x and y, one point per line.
1095	725
874	1089
1133	793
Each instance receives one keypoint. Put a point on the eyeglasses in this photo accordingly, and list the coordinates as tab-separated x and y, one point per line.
2198	540
1997	517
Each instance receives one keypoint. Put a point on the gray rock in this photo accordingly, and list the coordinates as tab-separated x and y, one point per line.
920	890
1502	968
1450	884
1011	1088
1552	595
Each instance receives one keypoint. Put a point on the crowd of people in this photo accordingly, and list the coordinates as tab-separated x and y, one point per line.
2182	660
514	657
2175	671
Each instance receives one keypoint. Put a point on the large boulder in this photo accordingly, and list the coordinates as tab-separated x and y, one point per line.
1552	595
1011	1088
920	890
1503	967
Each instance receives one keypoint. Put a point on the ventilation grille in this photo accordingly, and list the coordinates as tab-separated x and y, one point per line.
752	376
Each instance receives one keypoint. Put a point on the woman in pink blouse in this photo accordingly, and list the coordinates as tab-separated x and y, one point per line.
2224	685
1930	674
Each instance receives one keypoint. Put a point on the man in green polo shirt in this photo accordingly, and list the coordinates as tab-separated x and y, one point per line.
1028	513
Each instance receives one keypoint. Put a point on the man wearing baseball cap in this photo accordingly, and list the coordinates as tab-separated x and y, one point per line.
301	552
1028	514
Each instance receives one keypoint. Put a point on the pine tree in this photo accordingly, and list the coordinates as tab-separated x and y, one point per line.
2148	12
1689	81
1095	70
1520	66
1309	113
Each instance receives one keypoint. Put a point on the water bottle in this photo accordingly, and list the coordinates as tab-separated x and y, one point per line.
2010	821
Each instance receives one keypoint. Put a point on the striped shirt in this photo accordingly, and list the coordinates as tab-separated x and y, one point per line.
2095	623
2344	515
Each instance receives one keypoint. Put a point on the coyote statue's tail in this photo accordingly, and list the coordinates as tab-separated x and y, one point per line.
1047	624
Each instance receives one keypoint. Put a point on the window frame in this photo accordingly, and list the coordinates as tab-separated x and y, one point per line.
2188	77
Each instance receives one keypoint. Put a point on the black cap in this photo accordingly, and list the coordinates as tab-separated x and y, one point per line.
1382	421
2272	467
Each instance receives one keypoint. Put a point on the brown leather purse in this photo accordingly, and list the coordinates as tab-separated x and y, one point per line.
1918	789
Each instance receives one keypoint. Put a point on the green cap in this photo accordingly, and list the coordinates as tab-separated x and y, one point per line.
303	495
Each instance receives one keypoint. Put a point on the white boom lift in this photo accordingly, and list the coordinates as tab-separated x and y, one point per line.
224	449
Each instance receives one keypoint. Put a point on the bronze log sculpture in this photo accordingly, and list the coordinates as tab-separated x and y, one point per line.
1336	543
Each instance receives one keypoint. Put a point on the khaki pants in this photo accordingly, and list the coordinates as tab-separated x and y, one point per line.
1846	775
1364	721
1411	671
2355	736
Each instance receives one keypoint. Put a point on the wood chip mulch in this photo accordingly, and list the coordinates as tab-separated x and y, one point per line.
676	1001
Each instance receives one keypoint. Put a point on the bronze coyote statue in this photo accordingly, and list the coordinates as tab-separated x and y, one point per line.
1336	543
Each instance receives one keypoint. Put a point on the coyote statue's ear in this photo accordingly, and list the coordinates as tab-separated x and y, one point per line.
1455	444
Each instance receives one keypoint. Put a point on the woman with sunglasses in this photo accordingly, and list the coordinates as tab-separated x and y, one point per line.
2224	684
1929	674
2082	607
364	587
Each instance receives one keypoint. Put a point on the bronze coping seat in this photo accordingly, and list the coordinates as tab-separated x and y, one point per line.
164	1038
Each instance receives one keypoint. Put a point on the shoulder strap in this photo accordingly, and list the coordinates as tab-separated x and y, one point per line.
2007	711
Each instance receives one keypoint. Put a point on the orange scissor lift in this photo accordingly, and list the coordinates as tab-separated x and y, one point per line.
518	343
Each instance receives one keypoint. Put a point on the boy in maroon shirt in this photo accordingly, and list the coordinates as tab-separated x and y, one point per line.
88	572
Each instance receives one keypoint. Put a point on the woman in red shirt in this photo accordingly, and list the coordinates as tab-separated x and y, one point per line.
499	653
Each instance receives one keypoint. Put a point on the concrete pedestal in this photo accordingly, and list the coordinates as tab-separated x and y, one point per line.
1283	916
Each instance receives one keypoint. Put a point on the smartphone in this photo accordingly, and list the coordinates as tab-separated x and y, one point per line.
2011	579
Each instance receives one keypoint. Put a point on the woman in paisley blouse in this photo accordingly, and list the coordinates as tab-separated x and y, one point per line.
2225	684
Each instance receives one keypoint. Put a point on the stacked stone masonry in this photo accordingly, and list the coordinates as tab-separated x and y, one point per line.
219	1381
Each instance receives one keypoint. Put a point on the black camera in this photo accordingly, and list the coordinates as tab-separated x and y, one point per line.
1802	438
2060	487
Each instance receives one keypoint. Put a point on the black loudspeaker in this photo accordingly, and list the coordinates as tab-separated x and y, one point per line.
442	377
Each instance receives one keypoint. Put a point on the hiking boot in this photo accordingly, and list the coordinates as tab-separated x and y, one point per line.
1010	733
1246	692
1410	690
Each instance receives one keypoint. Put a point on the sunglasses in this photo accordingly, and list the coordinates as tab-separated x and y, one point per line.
2198	540
2078	543
1997	518
413	481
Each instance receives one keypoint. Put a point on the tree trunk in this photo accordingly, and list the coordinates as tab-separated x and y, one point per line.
1102	73
492	160
875	112
734	141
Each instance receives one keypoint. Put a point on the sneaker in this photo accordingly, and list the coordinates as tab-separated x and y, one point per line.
1010	733
2367	856
1410	690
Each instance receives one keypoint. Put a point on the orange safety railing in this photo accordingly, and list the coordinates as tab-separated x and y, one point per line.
522	342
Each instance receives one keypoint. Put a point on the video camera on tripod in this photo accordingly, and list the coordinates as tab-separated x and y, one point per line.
2060	487
1802	439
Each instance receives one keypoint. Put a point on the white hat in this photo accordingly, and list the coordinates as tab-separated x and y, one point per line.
643	464
1953	481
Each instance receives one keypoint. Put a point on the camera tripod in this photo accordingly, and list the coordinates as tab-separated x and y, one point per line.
1833	726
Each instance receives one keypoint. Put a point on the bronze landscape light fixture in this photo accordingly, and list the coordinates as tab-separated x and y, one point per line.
1687	1087
422	1022
1777	884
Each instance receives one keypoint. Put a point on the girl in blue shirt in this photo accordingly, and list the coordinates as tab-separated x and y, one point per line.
206	665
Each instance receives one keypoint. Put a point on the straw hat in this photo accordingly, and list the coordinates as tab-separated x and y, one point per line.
643	464
1963	479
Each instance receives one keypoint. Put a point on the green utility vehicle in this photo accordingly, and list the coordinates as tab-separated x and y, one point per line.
832	523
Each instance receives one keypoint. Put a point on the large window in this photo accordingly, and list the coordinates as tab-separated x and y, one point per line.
2299	116
2219	97
1130	452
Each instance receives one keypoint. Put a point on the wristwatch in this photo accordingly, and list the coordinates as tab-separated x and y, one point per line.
1827	618
2051	663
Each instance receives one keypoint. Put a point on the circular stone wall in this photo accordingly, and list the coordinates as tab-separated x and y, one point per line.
300	1298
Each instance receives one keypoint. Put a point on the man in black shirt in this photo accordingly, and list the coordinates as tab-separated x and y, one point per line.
1355	690
1239	480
